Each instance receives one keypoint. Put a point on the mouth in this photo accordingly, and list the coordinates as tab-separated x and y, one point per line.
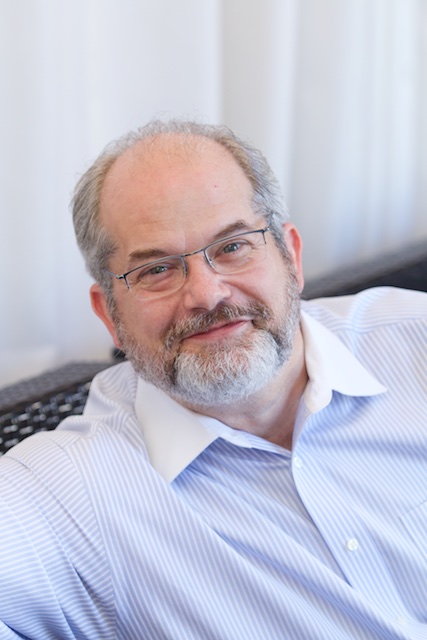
221	323
220	330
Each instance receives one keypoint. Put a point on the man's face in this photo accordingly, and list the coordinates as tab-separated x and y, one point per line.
218	338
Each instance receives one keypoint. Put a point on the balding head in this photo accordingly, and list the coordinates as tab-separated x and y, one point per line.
188	139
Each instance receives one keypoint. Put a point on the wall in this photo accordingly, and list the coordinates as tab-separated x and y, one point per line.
333	92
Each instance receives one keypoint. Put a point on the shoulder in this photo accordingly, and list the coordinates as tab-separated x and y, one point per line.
108	423
385	328
369	310
112	389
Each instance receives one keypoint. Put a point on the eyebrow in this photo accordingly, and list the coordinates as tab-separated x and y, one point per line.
149	254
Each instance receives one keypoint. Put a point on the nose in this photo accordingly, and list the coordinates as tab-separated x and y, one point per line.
203	288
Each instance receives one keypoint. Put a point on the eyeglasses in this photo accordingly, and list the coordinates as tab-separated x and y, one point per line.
227	256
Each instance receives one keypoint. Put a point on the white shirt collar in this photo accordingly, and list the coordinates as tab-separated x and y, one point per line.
332	367
175	436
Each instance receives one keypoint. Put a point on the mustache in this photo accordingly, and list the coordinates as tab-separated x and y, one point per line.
202	322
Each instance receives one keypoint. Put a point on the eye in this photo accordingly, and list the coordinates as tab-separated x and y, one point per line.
156	275
156	270
232	247
232	250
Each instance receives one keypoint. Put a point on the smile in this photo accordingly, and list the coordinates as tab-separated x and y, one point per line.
219	331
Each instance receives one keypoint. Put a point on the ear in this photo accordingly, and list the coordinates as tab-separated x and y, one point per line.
100	306
293	243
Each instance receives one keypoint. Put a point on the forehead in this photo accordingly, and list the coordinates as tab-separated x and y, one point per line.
172	182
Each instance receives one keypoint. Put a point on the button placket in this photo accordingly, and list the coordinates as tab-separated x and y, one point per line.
352	544
297	462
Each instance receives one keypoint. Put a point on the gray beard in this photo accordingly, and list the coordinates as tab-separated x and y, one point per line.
224	373
223	376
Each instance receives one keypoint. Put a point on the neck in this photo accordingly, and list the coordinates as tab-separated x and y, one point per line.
270	413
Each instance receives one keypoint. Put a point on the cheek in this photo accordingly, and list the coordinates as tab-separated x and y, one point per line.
264	284
148	321
272	284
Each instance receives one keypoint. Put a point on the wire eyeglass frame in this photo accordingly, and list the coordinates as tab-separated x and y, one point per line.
210	259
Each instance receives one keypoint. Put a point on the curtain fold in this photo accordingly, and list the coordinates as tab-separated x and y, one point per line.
334	94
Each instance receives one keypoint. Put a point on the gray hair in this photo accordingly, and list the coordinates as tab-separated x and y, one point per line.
95	243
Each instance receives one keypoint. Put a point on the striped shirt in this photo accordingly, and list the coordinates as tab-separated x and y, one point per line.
141	519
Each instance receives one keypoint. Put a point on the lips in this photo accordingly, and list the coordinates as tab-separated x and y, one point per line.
218	329
223	319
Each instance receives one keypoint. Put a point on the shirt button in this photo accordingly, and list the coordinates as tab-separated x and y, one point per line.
352	544
297	462
401	620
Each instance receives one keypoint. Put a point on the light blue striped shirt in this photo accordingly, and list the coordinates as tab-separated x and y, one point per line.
141	519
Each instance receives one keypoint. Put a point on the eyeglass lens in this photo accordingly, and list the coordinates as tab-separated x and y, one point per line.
226	256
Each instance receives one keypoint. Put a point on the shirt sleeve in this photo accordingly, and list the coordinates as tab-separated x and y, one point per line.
53	570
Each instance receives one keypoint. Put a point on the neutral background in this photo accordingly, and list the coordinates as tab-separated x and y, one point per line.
333	91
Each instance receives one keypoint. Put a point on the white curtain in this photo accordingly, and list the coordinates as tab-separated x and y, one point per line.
333	91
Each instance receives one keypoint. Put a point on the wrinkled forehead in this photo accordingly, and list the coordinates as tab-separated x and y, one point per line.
173	195
163	169
166	152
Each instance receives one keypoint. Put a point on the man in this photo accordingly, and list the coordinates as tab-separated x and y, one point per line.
253	471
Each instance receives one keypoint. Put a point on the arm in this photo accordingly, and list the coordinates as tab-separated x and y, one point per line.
52	565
